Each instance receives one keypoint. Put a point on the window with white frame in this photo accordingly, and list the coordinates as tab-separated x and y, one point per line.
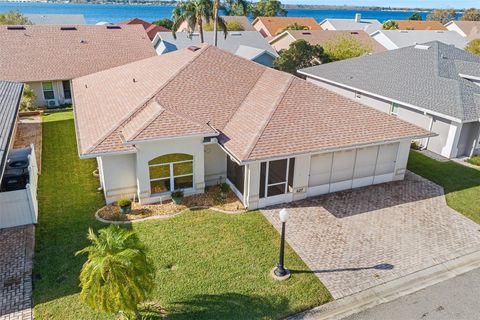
395	107
48	93
171	172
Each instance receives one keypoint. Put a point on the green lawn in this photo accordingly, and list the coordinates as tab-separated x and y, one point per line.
461	184
209	265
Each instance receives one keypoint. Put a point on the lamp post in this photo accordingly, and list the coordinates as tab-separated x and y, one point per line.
280	271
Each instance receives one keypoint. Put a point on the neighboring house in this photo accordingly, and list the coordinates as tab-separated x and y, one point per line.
246	44
201	115
271	26
55	19
467	29
18	169
434	85
241	20
419	25
367	25
48	57
321	37
150	28
394	39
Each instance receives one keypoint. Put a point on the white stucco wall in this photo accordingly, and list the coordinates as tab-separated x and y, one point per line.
327	25
215	164
147	151
384	41
57	89
282	43
260	27
117	176
454	27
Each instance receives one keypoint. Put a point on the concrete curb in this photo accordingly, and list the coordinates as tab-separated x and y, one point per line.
392	290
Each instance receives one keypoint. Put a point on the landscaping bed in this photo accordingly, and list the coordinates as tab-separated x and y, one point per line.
209	199
475	160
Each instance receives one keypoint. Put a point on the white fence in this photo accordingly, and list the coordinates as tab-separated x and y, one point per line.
20	207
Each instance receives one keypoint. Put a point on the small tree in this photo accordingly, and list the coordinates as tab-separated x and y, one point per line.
294	26
471	14
231	26
390	25
300	54
166	23
416	16
268	8
442	15
117	276
473	47
28	98
13	18
345	48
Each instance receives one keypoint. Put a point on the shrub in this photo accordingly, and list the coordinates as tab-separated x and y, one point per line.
345	48
28	98
224	187
415	145
475	160
390	25
473	47
231	26
124	202
177	194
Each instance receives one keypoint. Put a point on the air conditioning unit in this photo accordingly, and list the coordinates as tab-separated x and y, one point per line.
52	103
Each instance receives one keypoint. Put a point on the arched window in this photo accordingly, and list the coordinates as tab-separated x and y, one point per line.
171	172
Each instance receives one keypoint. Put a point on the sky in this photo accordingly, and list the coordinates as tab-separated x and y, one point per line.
394	3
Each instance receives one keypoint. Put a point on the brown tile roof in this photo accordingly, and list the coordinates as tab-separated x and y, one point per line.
256	111
470	28
321	37
419	25
150	28
276	24
46	52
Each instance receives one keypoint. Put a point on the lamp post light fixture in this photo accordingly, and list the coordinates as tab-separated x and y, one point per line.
280	272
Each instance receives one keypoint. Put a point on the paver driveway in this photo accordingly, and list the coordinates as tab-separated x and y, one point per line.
357	239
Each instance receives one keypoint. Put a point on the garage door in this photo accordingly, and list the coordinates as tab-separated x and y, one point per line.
343	170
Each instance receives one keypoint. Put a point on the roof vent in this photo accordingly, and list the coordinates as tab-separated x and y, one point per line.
235	33
193	48
358	17
403	31
354	32
15	28
114	27
306	33
421	47
439	31
68	28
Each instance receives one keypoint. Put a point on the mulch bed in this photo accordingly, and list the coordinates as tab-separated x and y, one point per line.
209	199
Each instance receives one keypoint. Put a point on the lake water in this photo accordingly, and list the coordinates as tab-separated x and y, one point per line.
118	12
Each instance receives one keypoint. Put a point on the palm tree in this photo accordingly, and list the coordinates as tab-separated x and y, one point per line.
117	275
219	22
195	13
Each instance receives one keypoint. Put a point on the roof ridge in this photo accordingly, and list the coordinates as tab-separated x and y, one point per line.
132	113
270	116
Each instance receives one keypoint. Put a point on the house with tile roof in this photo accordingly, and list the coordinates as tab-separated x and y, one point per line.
322	37
467	29
271	26
246	44
200	115
150	28
18	169
394	39
434	85
357	23
47	57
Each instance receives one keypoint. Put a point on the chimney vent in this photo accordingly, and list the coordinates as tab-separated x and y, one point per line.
358	17
193	48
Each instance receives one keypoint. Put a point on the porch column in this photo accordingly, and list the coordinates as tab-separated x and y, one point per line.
251	194
300	177
401	160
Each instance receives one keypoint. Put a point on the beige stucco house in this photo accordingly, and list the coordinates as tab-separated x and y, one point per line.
47	57
199	116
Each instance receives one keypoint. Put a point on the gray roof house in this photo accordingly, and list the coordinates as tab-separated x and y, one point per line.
367	25
246	44
56	19
18	168
394	39
434	85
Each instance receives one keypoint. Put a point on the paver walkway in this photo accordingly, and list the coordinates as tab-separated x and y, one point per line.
16	253
357	239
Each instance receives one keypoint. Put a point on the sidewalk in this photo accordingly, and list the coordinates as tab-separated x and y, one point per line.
395	289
